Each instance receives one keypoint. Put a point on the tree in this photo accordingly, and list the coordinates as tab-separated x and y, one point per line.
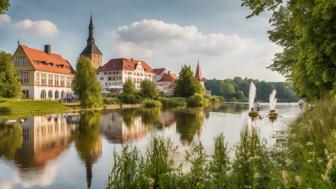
306	31
85	84
186	84
148	89
129	94
129	88
10	86
4	5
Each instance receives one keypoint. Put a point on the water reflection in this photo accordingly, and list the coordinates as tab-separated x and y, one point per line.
87	141
35	149
10	140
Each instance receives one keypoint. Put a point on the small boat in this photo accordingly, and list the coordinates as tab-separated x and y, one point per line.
253	113
272	115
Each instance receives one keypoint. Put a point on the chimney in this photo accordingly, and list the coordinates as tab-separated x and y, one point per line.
47	49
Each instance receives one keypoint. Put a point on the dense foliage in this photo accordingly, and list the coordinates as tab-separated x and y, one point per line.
4	5
306	31
10	86
158	168
186	84
85	84
237	89
148	89
129	94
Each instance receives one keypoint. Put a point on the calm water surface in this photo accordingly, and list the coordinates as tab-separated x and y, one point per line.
76	151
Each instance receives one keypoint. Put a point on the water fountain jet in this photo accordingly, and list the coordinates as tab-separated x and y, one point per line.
272	102
252	95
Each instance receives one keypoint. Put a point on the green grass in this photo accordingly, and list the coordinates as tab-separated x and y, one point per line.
151	103
18	108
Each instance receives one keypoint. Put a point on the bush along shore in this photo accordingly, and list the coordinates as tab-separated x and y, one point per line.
306	159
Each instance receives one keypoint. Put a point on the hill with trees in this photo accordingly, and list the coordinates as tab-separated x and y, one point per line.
237	89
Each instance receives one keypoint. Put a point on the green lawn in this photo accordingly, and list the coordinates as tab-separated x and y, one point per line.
17	108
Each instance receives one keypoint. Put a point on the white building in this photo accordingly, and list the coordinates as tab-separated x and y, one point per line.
117	71
43	74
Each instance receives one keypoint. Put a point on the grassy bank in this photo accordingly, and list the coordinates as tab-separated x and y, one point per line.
307	159
17	108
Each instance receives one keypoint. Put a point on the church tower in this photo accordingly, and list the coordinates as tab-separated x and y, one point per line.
91	50
198	75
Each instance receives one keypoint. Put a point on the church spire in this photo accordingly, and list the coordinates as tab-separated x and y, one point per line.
90	38
198	74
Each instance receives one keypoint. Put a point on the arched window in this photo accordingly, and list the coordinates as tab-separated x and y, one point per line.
62	94
50	94
56	94
43	94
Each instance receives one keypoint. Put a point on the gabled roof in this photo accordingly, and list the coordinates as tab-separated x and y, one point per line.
198	74
158	71
43	61
91	48
168	77
124	64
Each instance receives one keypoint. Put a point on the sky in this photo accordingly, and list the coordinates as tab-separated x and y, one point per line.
163	33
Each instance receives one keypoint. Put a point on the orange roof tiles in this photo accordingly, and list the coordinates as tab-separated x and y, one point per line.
124	64
43	61
168	77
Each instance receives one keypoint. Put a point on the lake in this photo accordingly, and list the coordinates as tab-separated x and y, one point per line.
76	150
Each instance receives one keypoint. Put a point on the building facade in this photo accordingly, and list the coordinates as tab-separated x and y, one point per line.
91	50
43	74
117	71
166	83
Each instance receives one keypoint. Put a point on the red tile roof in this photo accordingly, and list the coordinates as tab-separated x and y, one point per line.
159	70
54	63
168	77
124	64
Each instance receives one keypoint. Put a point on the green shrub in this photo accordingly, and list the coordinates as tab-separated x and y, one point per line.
151	103
195	100
129	98
173	102
109	101
217	99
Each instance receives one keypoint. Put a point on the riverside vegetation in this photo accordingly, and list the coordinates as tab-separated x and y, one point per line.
306	159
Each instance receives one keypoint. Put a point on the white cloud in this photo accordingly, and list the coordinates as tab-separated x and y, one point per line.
40	27
5	19
171	45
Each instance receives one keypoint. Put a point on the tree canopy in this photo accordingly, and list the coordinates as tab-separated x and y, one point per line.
4	5
306	31
186	84
10	86
237	89
85	84
148	89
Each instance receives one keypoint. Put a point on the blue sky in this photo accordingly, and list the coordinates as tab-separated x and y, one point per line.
164	33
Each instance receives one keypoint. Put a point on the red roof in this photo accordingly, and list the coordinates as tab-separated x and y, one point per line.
158	71
124	64
43	61
168	77
198	74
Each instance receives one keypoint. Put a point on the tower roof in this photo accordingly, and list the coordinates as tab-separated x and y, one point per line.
91	47
198	74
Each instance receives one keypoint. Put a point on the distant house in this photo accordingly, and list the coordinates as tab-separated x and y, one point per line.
117	71
43	74
166	84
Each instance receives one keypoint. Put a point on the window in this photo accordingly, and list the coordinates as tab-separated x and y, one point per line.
56	94
37	78
20	61
50	79
24	77
50	94
101	78
69	81
62	81
56	80
43	94
44	79
109	78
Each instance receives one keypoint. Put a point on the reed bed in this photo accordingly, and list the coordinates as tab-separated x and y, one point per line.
307	159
